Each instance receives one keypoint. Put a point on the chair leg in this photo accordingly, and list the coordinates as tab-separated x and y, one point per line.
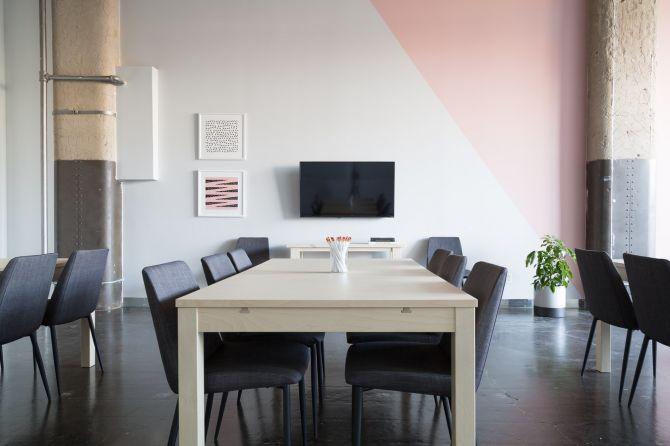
222	408
653	356
208	411
624	366
322	355
303	414
40	364
319	365
2	361
239	397
174	428
640	361
314	370
54	350
588	344
447	412
287	415
437	401
356	414
91	326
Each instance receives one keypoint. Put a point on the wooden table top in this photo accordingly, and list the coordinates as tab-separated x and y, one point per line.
60	263
370	283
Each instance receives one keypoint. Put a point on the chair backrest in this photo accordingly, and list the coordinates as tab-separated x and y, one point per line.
604	292
486	283
240	260
78	288
257	248
24	292
649	281
164	284
437	260
217	267
453	269
452	244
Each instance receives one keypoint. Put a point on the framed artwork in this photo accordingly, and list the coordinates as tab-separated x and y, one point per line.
221	193
221	136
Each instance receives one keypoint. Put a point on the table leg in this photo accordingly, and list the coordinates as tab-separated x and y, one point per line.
603	347
463	378
395	253
191	379
86	346
295	253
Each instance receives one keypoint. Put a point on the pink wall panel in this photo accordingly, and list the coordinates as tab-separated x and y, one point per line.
512	74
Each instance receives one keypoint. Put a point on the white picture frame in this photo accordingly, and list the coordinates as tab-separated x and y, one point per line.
227	204
222	136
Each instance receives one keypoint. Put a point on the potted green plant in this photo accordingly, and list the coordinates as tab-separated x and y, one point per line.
552	276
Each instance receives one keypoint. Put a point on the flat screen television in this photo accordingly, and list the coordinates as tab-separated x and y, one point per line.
347	189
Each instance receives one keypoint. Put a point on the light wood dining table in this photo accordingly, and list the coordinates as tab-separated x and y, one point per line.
604	331
86	346
302	295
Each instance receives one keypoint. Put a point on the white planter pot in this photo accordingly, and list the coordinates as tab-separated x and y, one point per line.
548	304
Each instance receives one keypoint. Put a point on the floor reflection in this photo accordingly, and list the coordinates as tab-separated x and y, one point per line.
531	393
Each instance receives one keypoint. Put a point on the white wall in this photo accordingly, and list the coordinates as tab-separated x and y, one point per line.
23	131
320	80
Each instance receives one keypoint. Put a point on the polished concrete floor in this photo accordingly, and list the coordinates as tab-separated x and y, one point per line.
531	394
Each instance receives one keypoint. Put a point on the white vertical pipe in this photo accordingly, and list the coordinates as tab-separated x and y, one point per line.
43	125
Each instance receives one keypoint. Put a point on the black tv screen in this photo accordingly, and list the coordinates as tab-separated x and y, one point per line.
347	189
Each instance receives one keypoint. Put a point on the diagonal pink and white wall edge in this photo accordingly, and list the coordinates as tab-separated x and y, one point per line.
479	102
512	76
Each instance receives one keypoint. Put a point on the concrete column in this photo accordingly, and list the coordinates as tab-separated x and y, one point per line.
88	196
620	158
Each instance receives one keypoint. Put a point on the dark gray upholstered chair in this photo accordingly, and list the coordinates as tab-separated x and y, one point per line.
436	261
315	342
649	281
421	368
229	366
257	248
452	244
217	267
607	299
76	297
24	293
453	269
240	259
422	338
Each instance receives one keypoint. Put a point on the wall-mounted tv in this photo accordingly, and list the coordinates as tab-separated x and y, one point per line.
347	189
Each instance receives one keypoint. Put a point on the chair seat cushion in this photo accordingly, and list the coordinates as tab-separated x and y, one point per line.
307	339
425	338
401	366
251	365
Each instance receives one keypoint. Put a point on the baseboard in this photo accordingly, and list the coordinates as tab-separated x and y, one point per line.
135	302
528	303
518	303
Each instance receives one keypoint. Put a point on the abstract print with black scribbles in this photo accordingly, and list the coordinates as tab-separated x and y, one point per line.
221	192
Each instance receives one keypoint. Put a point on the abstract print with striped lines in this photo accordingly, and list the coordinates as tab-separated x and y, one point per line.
222	192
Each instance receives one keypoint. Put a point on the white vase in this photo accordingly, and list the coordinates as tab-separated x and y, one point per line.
338	258
548	303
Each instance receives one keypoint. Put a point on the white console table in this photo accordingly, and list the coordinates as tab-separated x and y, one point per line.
392	248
